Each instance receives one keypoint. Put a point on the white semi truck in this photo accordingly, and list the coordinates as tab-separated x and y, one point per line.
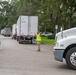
6	31
27	27
2	31
14	31
65	47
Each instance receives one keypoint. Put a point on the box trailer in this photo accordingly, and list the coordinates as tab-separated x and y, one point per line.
27	27
2	31
7	31
14	31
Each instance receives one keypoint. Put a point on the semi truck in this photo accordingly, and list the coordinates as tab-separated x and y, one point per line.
14	31
6	31
27	27
65	47
2	31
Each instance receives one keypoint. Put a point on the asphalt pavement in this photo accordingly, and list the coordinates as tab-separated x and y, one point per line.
23	59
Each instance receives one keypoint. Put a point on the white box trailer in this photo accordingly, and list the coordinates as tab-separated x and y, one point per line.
27	27
14	31
7	31
2	32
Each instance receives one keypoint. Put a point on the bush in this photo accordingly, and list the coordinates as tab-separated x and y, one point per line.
51	36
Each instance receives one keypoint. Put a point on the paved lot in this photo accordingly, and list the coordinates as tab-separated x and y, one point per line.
22	59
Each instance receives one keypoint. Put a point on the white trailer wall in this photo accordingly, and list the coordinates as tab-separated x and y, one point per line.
27	25
14	29
7	31
18	26
2	31
22	25
33	25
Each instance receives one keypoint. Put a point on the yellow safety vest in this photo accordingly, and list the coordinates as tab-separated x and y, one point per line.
38	38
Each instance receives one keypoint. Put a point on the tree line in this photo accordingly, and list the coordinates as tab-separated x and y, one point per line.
50	13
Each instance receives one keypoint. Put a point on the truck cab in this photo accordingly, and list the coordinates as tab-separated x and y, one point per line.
65	47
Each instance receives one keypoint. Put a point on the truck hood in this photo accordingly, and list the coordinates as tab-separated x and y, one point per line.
65	34
65	42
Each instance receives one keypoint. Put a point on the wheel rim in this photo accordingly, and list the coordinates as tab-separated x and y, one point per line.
73	58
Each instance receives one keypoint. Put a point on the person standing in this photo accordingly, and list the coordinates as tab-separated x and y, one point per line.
38	39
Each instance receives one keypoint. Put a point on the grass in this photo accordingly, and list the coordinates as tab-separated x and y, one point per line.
47	41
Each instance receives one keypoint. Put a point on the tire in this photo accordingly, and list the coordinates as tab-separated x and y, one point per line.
17	39
71	58
20	42
31	42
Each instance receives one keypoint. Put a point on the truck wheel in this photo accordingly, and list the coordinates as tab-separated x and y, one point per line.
71	58
31	42
20	42
17	39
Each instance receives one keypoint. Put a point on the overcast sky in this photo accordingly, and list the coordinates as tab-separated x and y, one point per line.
3	0
6	0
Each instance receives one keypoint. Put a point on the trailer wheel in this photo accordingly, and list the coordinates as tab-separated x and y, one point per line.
31	42
20	42
71	58
17	39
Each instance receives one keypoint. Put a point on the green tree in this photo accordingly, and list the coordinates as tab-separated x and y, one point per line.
50	13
